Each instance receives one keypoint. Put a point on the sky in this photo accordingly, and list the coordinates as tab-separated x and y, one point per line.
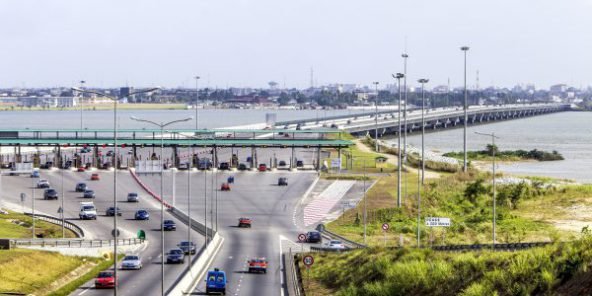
247	43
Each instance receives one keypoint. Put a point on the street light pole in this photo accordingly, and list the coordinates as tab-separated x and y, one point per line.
405	56
420	181
493	148
465	49
62	199
161	125
33	205
80	102
189	212
398	76
376	117
115	231
365	212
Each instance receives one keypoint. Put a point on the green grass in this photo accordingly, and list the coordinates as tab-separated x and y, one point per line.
33	272
23	227
379	271
355	160
73	285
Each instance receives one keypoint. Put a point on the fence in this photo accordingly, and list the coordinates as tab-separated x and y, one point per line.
74	243
54	220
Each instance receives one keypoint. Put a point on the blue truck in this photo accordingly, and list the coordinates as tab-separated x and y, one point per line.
216	282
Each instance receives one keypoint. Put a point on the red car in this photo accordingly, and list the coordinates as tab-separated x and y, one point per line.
262	167
258	265
95	177
105	279
81	169
244	222
225	187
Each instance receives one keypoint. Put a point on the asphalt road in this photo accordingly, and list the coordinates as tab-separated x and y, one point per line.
255	195
143	282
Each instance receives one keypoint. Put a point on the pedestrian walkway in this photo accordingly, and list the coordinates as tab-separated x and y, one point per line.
320	206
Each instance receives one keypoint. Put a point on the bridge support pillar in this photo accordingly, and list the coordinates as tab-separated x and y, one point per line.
18	154
215	156
293	159
134	154
318	159
58	157
95	156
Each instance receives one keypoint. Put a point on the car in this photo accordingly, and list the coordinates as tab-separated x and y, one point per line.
313	237
335	245
244	222
88	211
67	165
299	163
42	183
47	165
142	215
133	197
204	164
183	166
282	181
216	281
225	187
85	150
89	193
95	177
242	167
131	262
335	125
110	153
169	225
105	279
81	169
187	247
35	174
224	166
81	187
282	163
257	265
106	166
176	256
262	167
111	211
50	194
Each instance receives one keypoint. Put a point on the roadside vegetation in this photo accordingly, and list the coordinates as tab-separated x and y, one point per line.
39	272
356	160
558	269
515	155
15	225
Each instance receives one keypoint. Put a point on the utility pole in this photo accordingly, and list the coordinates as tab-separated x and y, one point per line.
398	76
376	147
493	148
466	107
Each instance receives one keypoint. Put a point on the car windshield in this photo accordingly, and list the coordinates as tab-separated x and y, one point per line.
88	191
88	208
133	194
169	222
175	252
105	274
220	279
211	278
186	243
130	258
335	242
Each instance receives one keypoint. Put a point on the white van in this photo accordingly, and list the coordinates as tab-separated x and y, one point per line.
87	211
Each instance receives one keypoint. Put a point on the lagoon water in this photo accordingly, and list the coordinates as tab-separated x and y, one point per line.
570	133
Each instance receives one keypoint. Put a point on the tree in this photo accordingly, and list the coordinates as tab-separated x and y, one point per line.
490	148
284	99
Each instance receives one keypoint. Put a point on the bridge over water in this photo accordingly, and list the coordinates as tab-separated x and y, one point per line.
387	122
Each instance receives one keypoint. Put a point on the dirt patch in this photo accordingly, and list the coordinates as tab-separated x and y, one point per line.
581	217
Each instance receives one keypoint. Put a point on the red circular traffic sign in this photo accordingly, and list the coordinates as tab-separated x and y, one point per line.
308	260
302	237
385	226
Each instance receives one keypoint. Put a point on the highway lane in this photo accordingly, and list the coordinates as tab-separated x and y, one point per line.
255	195
143	282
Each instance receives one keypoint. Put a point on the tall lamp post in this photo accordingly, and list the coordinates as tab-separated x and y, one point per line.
405	56
115	231
80	102
465	49
398	76
420	181
161	125
493	148
376	117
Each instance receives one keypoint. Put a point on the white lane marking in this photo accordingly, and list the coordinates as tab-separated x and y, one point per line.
85	290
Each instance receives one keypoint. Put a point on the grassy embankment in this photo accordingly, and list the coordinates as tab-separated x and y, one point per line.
356	161
143	106
560	269
16	225
46	273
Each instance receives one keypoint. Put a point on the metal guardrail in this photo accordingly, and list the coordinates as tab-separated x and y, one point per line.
458	248
54	220
295	277
353	245
75	243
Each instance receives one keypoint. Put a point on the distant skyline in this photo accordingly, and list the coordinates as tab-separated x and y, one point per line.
248	43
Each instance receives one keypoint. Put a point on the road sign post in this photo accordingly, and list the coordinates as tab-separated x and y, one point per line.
385	227
432	222
302	239
23	197
308	261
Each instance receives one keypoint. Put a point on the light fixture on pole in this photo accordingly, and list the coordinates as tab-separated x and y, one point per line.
376	117
493	148
115	150
398	76
161	125
465	108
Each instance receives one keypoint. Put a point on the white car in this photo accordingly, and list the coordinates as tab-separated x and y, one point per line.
43	184
335	244
131	262
133	197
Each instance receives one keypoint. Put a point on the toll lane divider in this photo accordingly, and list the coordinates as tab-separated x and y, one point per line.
187	283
